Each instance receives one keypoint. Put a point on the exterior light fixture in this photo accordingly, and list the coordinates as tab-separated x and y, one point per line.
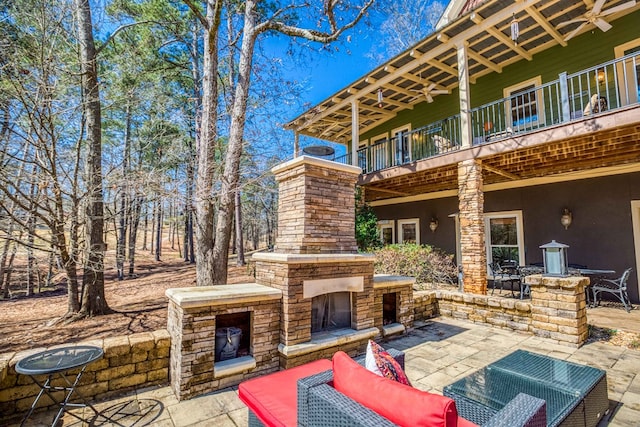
380	97
566	219
515	30
433	225
554	255
600	75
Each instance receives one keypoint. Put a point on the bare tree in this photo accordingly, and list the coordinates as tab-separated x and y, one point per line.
93	298
260	17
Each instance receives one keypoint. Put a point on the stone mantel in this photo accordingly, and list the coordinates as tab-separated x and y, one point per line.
205	296
289	258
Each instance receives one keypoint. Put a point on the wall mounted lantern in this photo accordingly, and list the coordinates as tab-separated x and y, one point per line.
600	75
554	255
566	219
433	225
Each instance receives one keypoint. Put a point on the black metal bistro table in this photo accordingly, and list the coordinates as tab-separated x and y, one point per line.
576	395
57	363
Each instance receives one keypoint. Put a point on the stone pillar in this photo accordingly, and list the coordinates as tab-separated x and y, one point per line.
472	239
558	308
316	207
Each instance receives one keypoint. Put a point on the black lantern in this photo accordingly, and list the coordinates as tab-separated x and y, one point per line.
554	255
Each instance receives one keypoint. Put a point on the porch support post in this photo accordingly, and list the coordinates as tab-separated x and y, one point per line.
564	97
472	238
296	143
465	99
355	131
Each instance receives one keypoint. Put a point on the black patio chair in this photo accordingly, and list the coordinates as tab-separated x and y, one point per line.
504	274
617	287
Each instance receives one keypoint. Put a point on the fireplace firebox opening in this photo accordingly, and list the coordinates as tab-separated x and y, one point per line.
389	308
233	335
331	311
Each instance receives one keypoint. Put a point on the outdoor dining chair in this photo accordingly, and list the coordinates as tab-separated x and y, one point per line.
617	287
504	274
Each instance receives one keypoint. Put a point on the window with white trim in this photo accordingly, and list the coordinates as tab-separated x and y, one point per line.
409	230
524	106
378	152
402	144
386	228
504	237
629	72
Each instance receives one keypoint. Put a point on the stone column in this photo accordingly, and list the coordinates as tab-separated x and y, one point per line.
472	239
316	207
558	308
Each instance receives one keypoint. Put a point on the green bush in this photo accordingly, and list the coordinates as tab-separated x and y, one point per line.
427	264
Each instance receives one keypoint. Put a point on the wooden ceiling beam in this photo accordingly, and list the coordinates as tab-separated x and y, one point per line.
500	172
477	19
542	21
484	61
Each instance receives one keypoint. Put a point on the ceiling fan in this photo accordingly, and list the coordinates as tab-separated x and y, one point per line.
428	90
596	17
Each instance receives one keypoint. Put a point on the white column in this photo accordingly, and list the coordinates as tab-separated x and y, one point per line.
465	99
355	131
296	143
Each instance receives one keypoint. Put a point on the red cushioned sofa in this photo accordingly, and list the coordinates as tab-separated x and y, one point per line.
344	393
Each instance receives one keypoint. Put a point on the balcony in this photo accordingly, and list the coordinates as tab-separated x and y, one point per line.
602	89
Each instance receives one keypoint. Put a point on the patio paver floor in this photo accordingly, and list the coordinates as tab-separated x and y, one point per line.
438	352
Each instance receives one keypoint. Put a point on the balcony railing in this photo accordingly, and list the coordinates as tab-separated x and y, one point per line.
604	87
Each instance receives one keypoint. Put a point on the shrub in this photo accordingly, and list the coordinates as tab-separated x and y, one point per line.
427	264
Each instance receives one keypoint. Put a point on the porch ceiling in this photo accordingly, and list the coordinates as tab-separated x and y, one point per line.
531	156
433	61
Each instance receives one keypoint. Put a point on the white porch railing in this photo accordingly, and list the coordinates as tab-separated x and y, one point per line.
608	86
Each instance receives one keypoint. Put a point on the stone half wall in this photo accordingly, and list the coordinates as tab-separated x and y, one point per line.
129	362
316	206
556	310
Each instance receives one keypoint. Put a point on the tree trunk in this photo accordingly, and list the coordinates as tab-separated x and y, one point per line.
124	191
146	226
93	298
159	232
230	175
204	237
134	221
239	239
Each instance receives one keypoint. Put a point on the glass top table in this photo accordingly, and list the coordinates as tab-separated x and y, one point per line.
565	387
56	363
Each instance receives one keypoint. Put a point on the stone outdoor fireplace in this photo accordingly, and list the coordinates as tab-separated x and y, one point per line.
314	294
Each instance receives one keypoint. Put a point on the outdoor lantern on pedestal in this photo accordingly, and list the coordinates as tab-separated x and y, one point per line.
554	255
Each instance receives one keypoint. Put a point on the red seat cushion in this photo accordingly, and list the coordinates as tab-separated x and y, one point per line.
273	398
399	403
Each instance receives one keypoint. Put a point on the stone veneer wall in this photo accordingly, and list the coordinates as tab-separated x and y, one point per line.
316	206
472	238
404	307
129	361
556	310
288	277
193	330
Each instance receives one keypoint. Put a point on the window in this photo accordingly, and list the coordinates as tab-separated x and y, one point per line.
524	106
387	231
402	144
629	72
378	153
503	233
409	231
362	155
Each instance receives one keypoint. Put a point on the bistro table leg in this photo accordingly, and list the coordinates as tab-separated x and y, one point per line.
69	389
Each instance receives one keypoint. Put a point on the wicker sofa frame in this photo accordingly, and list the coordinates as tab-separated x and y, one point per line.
320	405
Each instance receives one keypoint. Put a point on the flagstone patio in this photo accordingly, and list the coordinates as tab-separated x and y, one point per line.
438	352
